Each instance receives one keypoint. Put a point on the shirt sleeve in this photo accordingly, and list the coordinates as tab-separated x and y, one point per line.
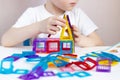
85	23
26	18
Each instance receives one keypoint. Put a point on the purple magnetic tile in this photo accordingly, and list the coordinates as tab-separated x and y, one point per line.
34	74
69	21
32	56
48	73
37	40
71	30
102	67
27	77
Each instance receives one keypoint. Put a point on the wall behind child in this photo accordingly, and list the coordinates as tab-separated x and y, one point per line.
104	13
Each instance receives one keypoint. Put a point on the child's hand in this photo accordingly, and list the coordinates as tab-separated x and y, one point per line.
76	34
50	24
85	41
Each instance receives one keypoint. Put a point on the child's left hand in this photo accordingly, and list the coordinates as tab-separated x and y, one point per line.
85	41
76	34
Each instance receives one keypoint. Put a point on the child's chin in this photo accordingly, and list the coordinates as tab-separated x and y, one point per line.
68	9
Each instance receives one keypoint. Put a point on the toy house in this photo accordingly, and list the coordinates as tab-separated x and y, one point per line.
64	44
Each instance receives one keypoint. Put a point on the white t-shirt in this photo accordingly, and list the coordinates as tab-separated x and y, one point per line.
77	17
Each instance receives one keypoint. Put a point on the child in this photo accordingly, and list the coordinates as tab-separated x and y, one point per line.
47	19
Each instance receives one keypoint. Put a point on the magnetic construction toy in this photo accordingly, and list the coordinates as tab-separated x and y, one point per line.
64	44
59	55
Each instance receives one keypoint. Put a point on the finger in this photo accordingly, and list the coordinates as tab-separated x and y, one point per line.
52	32
76	39
54	28
60	19
75	28
57	23
76	34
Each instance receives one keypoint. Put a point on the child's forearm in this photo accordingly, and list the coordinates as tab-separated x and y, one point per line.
86	41
17	35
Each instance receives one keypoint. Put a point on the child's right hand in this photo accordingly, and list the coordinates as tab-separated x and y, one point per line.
50	24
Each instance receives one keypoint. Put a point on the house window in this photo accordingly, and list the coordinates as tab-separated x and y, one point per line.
66	45
53	46
41	46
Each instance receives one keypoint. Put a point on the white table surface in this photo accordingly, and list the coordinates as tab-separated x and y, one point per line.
4	52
